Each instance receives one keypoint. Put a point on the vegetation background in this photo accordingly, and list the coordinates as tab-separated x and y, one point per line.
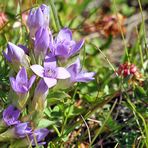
111	111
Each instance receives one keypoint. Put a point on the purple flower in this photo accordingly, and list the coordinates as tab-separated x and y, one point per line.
50	72
63	46
23	129
40	95
11	115
21	84
26	50
77	75
38	18
14	54
38	135
41	88
42	39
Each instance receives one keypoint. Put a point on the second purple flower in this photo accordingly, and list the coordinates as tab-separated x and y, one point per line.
21	84
50	72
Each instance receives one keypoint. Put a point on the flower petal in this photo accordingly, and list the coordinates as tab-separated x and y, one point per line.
5	54
50	82
21	77
64	34
85	77
38	135
75	68
23	129
46	11
41	88
50	61
26	50
14	52
62	73
31	81
37	18
17	87
61	50
37	69
11	115
41	41
13	83
77	47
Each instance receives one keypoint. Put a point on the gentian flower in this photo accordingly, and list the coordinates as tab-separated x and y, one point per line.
26	50
15	55
11	115
38	135
50	72
38	18
23	129
40	95
21	84
78	75
63	46
41	42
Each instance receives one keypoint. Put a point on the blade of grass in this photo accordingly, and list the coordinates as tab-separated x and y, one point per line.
89	136
122	34
143	26
137	114
140	48
105	57
57	22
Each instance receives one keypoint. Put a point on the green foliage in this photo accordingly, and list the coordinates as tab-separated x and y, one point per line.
112	107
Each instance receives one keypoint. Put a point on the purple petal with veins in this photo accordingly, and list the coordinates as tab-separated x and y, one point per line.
50	82
38	70
62	73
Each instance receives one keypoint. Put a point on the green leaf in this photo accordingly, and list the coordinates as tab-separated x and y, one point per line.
45	123
56	97
140	92
51	145
89	98
73	111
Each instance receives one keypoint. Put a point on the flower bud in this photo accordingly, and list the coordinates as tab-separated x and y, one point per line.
16	56
41	42
40	95
38	18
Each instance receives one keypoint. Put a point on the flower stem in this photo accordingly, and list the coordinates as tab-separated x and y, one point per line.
121	31
57	22
7	135
2	126
143	26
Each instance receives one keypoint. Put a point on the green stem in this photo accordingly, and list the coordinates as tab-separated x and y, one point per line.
122	34
2	126
143	26
56	129
105	57
67	116
57	22
7	135
140	48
